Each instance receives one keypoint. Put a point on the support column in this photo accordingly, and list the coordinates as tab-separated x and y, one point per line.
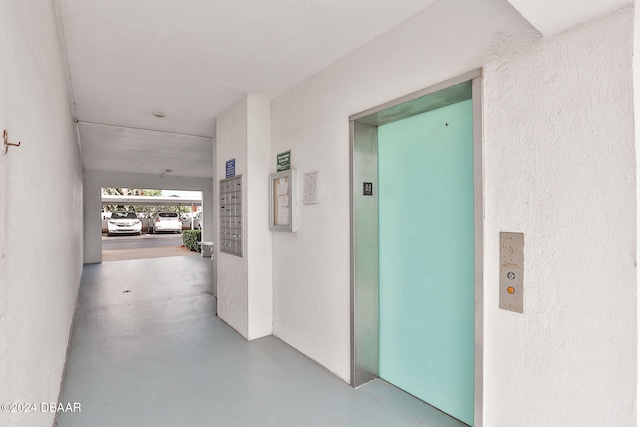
245	285
92	219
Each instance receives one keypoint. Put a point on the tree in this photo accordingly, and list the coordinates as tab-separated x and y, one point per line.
111	191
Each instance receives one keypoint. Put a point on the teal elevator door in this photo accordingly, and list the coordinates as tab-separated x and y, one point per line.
426	250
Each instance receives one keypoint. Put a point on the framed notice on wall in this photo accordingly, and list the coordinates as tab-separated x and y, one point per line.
282	201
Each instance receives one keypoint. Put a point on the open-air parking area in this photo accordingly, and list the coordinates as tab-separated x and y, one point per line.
143	241
127	247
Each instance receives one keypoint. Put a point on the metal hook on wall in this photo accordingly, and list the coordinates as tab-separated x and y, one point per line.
5	137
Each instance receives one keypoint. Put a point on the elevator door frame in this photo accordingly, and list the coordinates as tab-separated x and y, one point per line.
363	137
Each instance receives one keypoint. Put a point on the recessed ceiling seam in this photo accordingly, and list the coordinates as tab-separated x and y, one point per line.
268	39
142	129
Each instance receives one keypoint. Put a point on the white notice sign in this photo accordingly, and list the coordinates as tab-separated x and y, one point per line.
283	201
310	188
282	188
283	216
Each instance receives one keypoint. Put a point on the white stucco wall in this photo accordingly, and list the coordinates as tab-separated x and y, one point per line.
311	268
258	235
40	211
636	97
245	283
559	166
95	180
231	143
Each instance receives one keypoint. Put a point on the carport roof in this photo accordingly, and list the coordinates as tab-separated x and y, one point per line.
150	200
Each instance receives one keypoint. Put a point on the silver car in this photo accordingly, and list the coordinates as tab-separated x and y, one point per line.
165	221
197	221
123	222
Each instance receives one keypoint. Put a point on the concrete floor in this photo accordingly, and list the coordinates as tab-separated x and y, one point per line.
143	241
148	350
126	254
118	248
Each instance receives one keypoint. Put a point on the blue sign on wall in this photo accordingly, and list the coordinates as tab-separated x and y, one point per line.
231	168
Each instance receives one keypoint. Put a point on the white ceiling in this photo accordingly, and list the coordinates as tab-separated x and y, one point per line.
553	16
192	59
120	149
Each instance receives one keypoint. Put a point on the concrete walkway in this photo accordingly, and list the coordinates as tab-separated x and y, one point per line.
142	253
148	350
143	241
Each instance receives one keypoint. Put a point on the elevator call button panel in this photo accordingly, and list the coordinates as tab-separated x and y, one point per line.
511	271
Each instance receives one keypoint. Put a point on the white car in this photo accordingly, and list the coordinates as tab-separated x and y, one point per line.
196	217
123	222
165	221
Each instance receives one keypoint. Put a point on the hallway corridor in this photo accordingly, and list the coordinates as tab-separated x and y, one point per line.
148	350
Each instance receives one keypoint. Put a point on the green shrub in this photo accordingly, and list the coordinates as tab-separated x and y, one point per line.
190	238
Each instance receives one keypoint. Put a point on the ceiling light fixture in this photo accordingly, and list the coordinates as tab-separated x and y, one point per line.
159	114
166	171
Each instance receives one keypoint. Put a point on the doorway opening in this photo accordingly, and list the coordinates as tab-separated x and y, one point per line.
149	223
416	246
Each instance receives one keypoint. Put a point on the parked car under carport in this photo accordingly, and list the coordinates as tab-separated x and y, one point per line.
124	222
165	222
